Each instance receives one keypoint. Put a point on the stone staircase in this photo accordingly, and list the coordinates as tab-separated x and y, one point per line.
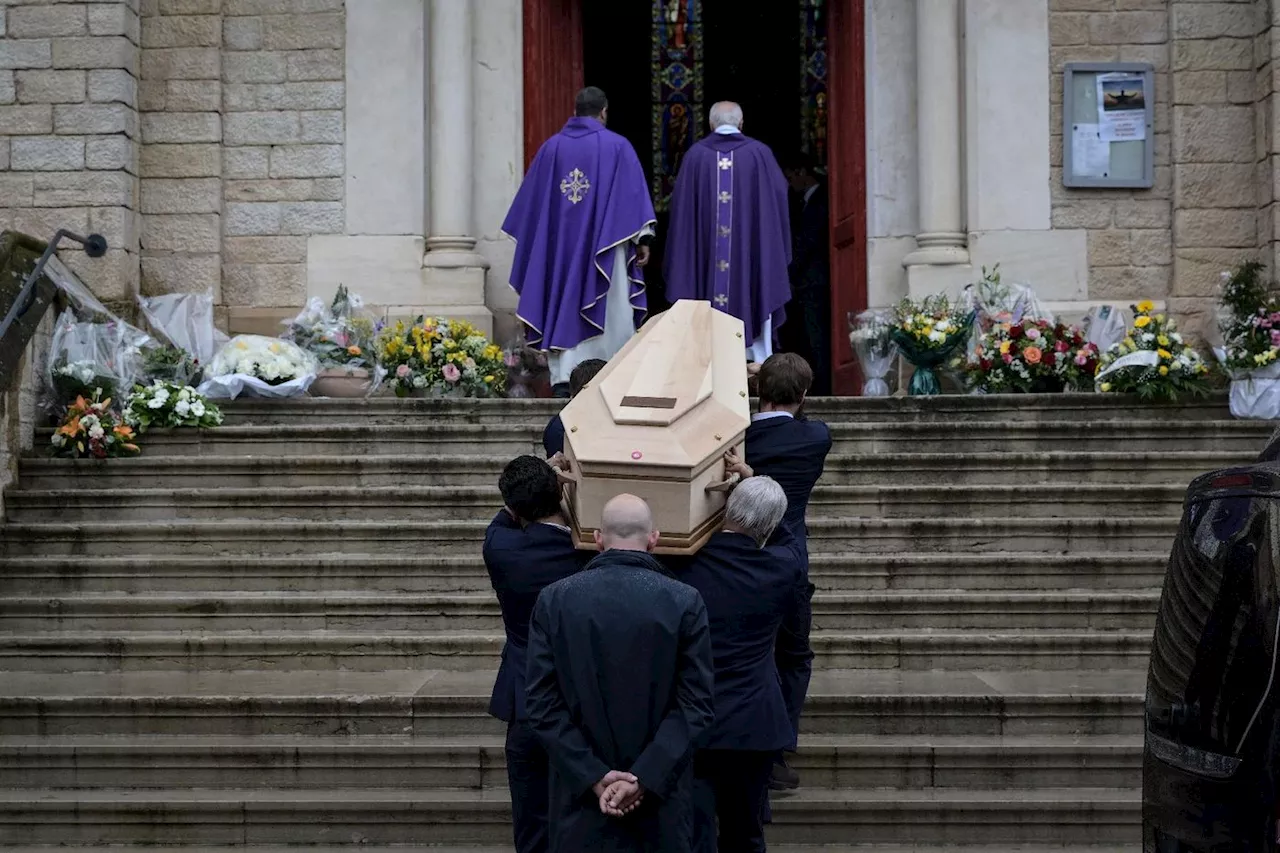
281	632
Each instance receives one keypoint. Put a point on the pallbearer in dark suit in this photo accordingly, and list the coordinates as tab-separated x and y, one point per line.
792	449
553	435
526	548
748	588
620	692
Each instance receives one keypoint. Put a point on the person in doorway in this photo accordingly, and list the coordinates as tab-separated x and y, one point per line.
749	588
620	692
583	222
730	234
527	547
553	435
810	271
783	444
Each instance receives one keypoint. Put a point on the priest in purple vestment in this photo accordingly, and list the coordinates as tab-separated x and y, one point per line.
729	240
582	222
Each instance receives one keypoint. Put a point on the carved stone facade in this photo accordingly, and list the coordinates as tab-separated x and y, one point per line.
270	149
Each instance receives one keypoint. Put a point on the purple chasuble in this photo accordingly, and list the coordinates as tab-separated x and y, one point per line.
729	241
584	195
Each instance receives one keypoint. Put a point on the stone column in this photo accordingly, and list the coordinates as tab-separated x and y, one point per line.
941	237
451	260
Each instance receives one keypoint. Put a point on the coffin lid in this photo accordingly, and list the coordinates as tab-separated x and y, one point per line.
674	396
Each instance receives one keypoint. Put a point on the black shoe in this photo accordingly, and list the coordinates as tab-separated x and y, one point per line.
560	391
783	777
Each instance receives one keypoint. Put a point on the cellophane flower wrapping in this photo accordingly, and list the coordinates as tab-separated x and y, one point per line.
992	302
91	428
183	324
1104	327
871	335
441	357
101	357
927	333
258	366
340	335
1153	361
1031	356
1248	321
165	405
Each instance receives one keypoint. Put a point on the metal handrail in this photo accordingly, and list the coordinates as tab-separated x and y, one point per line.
95	246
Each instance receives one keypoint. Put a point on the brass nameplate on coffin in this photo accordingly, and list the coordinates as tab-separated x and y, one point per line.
649	402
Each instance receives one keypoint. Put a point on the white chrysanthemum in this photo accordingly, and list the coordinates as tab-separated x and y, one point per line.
182	408
197	408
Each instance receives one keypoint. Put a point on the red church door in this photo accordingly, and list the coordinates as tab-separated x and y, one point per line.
553	73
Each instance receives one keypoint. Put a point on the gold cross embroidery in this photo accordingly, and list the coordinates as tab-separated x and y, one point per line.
722	300
726	163
575	186
724	197
724	230
723	265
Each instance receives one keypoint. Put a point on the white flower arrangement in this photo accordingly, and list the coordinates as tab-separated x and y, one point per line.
163	404
260	366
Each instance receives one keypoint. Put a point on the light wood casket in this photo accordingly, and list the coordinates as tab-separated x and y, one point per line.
657	421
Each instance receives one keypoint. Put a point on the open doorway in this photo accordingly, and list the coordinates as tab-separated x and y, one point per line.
664	62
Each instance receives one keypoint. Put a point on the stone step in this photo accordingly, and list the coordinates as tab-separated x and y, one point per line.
945	409
961	467
479	763
447	538
363	611
433	703
507	441
777	848
374	650
406	816
478	503
322	572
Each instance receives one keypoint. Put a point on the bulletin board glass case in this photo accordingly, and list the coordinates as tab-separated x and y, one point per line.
1108	125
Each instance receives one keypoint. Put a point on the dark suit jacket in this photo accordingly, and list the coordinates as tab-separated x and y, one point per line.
748	591
792	451
553	437
521	562
620	678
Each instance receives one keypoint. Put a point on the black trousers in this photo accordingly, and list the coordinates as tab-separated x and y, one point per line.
527	778
730	788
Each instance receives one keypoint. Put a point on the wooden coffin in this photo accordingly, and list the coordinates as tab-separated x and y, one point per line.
657	421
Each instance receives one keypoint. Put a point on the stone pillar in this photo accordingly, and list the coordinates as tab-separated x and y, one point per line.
451	263
941	236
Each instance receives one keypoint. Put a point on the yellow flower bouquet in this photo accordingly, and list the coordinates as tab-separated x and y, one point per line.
1153	361
440	357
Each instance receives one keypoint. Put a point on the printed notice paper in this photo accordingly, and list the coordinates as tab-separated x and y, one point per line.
1090	154
1122	106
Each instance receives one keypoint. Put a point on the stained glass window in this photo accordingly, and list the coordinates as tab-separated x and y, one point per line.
677	89
813	79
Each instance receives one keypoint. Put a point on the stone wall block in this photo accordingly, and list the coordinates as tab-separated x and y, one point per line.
1214	184
317	65
301	32
265	285
181	127
242	33
95	118
1215	228
181	195
111	152
312	218
96	52
113	85
262	128
19	119
8	87
50	87
307	161
45	21
265	250
252	219
1213	134
1129	28
47	154
188	7
1224	54
1151	247
270	190
324	126
280	7
181	161
1143	213
33	53
1109	248
246	163
93	189
182	63
255	67
114	19
181	273
1200	87
194	233
1213	20
182	31
193	96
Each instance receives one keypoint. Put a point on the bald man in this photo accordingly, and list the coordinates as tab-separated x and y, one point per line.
620	691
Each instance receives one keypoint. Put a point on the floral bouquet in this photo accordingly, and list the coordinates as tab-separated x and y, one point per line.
81	379
1034	356
91	429
339	336
264	367
441	357
163	404
85	357
1153	361
928	333
871	335
1249	320
171	364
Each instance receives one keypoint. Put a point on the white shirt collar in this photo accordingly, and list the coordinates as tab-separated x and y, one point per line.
727	129
765	416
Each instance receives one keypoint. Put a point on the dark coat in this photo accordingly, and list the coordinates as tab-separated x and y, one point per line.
521	561
553	437
748	591
620	678
793	452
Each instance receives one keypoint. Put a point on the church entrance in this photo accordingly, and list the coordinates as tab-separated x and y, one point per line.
795	66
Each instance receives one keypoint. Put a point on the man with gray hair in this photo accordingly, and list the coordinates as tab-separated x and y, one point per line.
749	581
729	241
620	693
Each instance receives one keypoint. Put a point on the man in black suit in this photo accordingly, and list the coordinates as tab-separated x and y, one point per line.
527	547
749	587
810	270
783	444
620	693
553	435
